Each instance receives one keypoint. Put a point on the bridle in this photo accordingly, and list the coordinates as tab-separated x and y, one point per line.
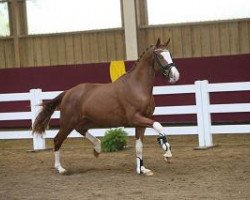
165	68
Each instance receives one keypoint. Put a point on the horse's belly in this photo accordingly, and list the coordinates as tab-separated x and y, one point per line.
107	116
108	121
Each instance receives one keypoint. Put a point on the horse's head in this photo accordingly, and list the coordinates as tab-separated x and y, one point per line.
163	61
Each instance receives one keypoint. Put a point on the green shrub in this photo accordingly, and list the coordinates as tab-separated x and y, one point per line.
114	140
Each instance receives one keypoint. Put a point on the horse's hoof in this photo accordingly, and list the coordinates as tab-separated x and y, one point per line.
96	154
168	159
168	154
62	171
146	172
149	173
97	148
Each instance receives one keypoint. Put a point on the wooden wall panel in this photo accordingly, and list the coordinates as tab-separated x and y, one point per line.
144	41
7	56
234	38
187	40
167	33
177	41
61	45
45	51
215	39
77	42
2	54
23	52
205	40
120	46
94	48
149	36
224	38
30	52
53	50
244	36
86	54
201	39
141	41
68	49
37	52
196	41
110	41
103	47
248	33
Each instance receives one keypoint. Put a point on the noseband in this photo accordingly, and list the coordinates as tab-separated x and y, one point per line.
165	68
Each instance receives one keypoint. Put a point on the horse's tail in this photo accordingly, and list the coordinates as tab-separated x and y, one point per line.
43	118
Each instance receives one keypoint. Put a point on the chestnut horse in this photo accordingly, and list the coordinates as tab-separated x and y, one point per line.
126	102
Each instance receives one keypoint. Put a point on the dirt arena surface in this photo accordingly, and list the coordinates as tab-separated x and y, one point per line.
217	173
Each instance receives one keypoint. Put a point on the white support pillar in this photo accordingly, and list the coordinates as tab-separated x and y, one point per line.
38	140
130	26
203	114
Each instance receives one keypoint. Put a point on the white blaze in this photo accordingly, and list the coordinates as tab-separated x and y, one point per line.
174	73
167	56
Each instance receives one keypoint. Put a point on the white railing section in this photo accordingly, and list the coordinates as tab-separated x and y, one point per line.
202	108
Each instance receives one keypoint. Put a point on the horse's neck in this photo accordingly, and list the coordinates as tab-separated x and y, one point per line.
144	73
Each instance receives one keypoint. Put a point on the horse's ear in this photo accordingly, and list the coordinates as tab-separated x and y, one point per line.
166	43
158	42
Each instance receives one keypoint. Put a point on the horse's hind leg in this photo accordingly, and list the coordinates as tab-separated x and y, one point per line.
95	141
58	140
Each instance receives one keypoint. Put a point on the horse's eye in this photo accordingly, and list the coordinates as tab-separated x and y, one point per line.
160	56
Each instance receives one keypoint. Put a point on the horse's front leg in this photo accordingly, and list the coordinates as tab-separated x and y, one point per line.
162	140
140	169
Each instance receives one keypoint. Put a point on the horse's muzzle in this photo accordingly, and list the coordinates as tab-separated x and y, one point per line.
174	75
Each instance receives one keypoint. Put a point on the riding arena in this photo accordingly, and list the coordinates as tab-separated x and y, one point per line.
180	91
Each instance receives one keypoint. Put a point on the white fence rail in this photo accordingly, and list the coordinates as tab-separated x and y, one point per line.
202	108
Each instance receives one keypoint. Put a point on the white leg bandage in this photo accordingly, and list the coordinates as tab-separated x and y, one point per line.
139	161
162	139
158	127
58	166
95	141
140	169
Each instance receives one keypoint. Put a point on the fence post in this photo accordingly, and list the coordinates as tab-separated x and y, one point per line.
35	101
203	114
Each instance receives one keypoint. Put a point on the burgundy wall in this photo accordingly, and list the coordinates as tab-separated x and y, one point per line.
214	69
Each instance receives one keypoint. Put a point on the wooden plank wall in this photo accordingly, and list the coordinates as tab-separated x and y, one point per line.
7	56
201	39
65	49
75	48
191	40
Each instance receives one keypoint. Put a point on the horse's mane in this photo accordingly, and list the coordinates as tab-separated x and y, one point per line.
140	57
137	61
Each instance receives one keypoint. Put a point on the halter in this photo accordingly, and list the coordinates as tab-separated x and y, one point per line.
165	68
